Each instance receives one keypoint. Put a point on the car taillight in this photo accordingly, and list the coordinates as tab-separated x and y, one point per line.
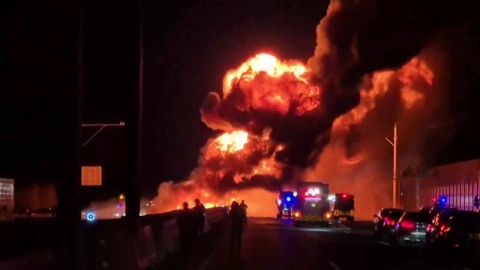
297	214
389	222
407	224
429	227
445	228
327	215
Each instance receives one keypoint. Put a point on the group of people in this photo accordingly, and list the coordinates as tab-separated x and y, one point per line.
238	219
191	224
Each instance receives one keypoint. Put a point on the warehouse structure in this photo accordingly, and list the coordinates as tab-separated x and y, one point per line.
6	198
458	183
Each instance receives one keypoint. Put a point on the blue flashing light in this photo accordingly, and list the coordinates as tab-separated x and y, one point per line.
443	199
91	216
288	199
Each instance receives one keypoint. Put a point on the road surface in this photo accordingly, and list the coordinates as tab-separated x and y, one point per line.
275	244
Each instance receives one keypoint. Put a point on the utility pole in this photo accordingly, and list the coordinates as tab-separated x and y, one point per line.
394	144
134	86
67	174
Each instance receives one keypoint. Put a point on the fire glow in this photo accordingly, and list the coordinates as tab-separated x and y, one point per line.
267	84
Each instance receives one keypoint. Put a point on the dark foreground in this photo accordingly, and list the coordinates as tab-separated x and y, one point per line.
275	244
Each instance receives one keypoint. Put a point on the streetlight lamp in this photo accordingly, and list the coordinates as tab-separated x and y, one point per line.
394	144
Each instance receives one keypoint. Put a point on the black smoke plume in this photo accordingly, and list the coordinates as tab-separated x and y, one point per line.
354	39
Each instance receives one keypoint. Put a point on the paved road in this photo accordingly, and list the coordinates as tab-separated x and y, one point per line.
276	244
25	236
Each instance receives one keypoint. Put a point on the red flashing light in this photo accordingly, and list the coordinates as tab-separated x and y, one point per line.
407	224
312	192
444	228
344	195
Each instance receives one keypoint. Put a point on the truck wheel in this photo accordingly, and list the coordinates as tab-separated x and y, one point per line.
350	219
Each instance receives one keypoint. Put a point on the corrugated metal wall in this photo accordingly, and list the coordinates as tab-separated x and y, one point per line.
459	182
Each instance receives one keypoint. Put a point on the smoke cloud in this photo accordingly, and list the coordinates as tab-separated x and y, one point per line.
359	159
361	37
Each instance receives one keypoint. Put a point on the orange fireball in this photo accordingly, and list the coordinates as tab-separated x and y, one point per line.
270	84
232	142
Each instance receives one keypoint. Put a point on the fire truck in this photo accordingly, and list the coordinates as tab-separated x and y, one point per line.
342	205
286	204
313	206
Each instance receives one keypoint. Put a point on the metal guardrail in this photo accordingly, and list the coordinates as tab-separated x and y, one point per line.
108	243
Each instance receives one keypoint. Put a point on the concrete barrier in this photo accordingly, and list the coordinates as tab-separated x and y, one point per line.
19	238
203	246
170	238
216	214
38	261
109	244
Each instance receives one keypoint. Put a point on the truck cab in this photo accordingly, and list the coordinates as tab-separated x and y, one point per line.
343	206
313	204
286	204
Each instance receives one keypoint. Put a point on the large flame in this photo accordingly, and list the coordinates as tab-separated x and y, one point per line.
230	142
270	84
244	155
278	117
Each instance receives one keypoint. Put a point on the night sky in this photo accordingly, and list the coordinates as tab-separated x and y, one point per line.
188	50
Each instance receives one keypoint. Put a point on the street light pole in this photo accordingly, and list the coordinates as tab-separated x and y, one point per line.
102	126
121	124
134	64
394	144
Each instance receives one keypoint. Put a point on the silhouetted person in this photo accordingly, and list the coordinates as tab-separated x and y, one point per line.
185	228
244	208
199	213
237	219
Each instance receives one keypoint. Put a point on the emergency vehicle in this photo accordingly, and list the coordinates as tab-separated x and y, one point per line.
286	204
312	204
440	202
342	205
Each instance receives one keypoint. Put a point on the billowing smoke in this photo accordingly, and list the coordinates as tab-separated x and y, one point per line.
367	73
267	95
360	37
359	158
366	36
